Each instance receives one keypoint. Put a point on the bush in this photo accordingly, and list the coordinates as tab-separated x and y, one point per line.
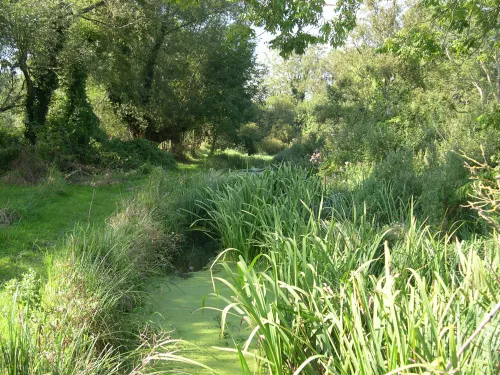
249	135
71	126
270	145
10	148
301	151
27	168
436	182
133	154
399	170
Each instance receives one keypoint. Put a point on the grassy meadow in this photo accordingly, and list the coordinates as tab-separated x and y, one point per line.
36	218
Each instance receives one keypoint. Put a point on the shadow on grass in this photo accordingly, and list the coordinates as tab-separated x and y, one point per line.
9	271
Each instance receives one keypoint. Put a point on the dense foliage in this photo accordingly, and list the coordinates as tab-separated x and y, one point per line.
415	90
168	68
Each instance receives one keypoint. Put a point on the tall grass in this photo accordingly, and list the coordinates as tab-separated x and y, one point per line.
67	324
333	290
25	349
279	199
73	321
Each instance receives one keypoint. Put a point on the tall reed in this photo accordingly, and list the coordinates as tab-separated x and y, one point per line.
239	213
331	290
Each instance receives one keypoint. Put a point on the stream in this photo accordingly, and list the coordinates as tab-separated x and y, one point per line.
175	307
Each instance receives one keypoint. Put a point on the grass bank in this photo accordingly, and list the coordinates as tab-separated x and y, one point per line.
35	218
68	314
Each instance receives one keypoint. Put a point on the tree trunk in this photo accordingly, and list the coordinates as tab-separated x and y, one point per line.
30	131
213	144
177	148
41	86
498	77
481	93
150	67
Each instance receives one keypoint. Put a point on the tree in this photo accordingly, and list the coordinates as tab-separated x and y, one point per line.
147	53
295	22
185	68
33	34
229	77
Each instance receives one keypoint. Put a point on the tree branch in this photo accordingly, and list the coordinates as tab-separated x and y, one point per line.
90	8
9	107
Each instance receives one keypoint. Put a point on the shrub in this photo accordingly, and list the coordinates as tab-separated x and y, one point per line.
399	169
270	145
300	152
133	154
10	148
71	124
435	182
485	191
27	168
249	135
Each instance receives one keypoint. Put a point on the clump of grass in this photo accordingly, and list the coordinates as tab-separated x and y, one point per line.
8	216
62	326
27	168
32	346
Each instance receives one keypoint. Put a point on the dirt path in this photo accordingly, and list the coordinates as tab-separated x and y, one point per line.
176	306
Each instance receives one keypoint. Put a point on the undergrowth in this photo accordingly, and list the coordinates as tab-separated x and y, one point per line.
328	283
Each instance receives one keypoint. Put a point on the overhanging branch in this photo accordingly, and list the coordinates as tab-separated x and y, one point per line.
90	8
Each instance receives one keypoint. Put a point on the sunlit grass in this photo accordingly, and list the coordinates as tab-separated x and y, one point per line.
46	213
69	314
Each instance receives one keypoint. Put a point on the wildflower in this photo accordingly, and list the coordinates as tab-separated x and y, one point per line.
316	158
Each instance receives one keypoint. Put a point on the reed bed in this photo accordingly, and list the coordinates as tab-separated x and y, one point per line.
333	289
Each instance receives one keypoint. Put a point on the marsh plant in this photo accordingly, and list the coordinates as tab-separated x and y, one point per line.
331	290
